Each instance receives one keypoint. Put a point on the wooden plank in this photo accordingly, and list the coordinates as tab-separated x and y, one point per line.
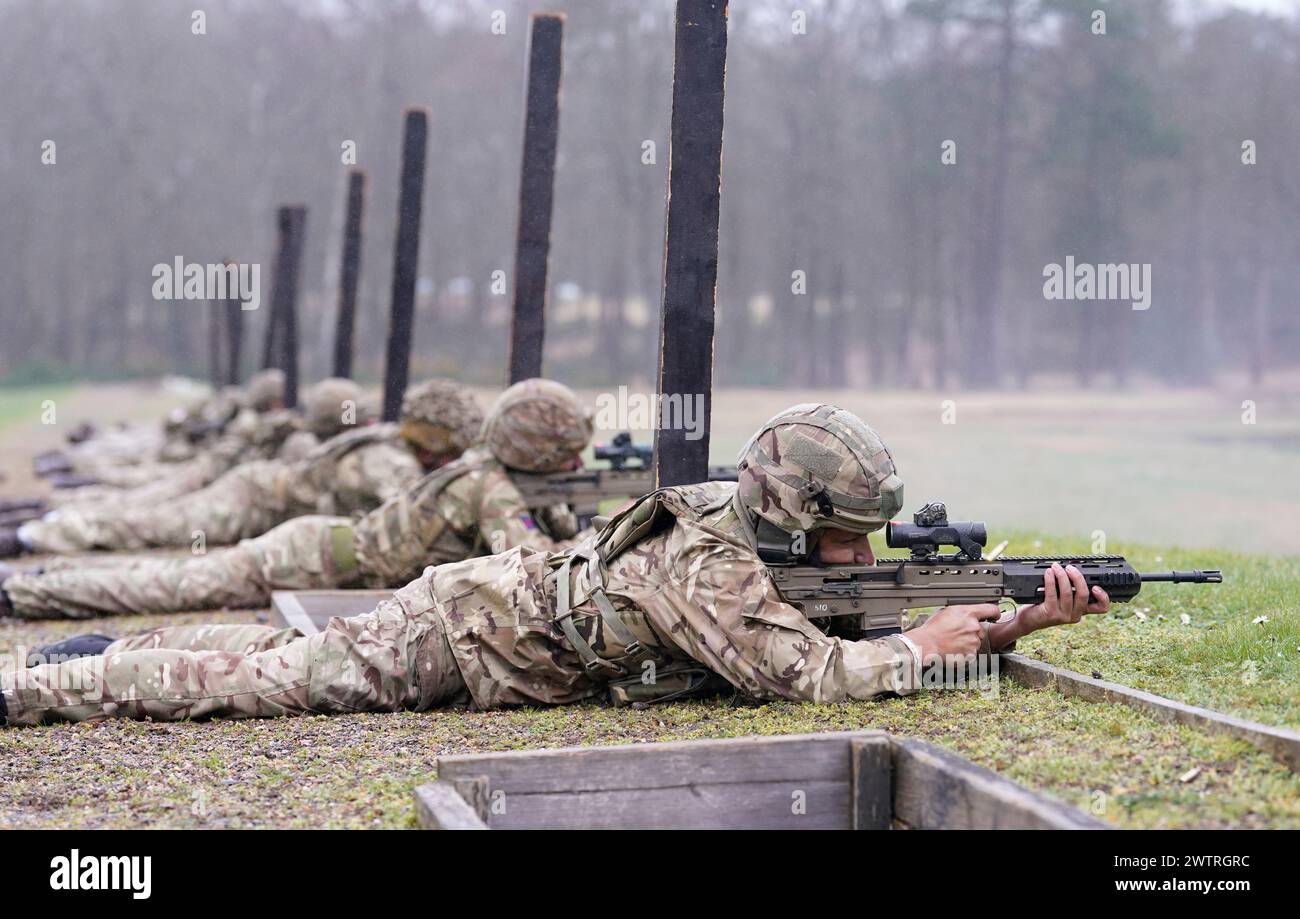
406	257
872	758
860	779
935	789
309	611
691	236
475	792
349	274
1281	743
287	612
797	757
438	806
792	804
536	194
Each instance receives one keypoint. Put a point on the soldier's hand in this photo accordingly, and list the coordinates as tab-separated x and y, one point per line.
1066	600
954	630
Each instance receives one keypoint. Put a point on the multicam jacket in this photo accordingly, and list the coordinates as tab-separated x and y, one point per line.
352	472
467	508
690	589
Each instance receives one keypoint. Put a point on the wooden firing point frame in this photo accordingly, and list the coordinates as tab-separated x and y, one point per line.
852	780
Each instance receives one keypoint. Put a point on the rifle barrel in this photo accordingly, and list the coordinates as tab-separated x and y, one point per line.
1209	576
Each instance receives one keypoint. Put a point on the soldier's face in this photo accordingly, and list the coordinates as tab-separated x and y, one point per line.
840	547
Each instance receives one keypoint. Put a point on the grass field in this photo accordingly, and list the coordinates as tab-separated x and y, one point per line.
1173	480
23	403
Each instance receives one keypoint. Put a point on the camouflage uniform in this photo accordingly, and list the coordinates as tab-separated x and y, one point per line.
672	585
251	438
242	425
350	473
274	435
466	508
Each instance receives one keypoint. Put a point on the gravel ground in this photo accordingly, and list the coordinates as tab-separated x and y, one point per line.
359	770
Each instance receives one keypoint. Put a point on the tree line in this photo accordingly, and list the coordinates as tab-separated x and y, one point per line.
897	178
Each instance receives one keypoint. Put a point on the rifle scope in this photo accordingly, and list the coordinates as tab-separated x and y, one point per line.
931	529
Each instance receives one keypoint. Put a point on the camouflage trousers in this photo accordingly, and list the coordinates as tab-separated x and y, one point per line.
303	553
240	504
396	657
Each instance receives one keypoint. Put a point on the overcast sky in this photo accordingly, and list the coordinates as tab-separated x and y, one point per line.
1263	6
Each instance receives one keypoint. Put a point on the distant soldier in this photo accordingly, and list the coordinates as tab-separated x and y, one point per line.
210	437
275	434
466	508
350	473
217	434
672	589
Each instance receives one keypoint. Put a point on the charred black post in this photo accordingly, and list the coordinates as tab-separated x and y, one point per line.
215	343
270	354
405	261
234	322
691	239
536	190
349	273
282	331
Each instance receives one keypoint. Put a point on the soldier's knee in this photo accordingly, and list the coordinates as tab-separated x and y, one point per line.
362	664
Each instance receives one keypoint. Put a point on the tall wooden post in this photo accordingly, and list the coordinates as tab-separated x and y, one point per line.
216	371
691	238
234	342
270	337
349	273
536	191
405	261
281	348
234	326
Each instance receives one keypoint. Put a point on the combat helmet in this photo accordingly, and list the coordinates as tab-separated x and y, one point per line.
537	426
265	390
815	467
331	406
441	417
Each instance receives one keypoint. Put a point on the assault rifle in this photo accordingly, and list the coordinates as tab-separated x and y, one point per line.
630	474
868	601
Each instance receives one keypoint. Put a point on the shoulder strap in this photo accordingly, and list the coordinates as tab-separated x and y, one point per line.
340	445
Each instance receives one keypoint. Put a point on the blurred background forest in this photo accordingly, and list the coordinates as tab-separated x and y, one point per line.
1123	147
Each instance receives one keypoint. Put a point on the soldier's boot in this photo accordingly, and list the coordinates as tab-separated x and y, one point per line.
59	651
4	711
10	545
51	462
